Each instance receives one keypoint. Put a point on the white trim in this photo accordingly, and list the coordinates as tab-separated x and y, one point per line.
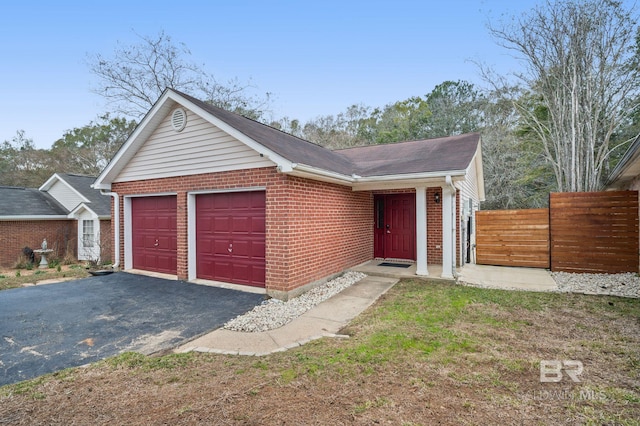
256	146
192	260
407	181
152	194
449	221
153	118
15	218
78	210
477	159
411	176
225	190
48	184
93	252
116	226
421	231
191	235
128	238
310	172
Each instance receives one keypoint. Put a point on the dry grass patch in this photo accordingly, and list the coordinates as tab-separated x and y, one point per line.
14	278
426	353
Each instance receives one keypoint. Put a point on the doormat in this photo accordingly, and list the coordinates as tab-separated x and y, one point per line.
395	265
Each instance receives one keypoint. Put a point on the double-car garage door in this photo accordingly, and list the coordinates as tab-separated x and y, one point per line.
229	231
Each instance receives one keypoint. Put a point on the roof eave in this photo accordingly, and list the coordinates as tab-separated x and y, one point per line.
315	173
408	180
32	217
142	132
479	171
631	156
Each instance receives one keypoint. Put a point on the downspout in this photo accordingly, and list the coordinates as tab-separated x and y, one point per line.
454	225
116	227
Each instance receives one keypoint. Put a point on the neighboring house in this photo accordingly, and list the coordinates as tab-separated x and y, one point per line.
203	193
73	217
626	175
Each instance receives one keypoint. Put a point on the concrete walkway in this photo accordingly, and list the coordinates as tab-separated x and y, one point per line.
324	320
330	316
508	278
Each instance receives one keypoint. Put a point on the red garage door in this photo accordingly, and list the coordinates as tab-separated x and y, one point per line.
230	233
153	227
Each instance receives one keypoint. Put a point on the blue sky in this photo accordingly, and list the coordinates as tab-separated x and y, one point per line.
316	57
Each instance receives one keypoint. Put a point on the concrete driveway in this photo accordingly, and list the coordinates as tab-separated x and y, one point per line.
51	327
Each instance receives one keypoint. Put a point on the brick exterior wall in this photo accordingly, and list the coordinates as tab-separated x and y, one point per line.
314	229
106	241
15	235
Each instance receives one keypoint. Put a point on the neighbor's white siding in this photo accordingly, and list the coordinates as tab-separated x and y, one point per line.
199	148
65	195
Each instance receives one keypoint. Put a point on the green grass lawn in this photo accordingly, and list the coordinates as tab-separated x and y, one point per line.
426	353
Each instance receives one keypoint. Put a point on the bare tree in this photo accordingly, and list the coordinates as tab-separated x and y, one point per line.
135	76
580	68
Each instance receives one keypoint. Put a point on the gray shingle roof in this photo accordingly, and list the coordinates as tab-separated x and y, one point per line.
28	202
288	146
423	156
100	204
431	155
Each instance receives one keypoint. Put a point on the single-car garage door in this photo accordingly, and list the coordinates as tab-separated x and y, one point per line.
154	233
230	235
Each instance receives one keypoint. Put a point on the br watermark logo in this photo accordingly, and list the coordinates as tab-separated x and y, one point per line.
555	371
551	371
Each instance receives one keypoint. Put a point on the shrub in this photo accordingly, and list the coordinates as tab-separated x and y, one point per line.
22	263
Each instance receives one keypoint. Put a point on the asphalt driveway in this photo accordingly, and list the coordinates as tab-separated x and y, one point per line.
51	327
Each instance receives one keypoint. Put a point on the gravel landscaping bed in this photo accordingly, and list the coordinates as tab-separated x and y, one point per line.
274	313
625	285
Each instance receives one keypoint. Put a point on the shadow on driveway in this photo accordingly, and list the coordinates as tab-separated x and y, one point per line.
51	327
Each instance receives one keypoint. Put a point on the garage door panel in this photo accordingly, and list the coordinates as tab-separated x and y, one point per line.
220	224
259	249
154	235
236	222
221	248
258	224
241	248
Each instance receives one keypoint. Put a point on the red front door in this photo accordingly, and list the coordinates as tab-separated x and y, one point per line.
154	233
230	234
395	226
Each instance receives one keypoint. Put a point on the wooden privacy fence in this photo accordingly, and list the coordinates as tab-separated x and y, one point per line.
513	237
579	232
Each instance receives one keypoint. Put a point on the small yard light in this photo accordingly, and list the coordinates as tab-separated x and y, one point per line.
436	198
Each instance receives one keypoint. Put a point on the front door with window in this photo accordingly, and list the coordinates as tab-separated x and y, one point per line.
395	226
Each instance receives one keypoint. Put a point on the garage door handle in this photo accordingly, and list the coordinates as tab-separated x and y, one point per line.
230	249
156	244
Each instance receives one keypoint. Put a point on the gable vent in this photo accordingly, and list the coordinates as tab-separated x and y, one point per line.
178	119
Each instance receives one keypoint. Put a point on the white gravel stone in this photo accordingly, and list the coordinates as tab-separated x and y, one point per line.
625	285
274	313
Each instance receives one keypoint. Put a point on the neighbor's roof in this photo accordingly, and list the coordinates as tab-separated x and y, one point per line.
29	202
100	204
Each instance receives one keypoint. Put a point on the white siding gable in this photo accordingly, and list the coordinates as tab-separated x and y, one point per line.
469	186
65	195
199	148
